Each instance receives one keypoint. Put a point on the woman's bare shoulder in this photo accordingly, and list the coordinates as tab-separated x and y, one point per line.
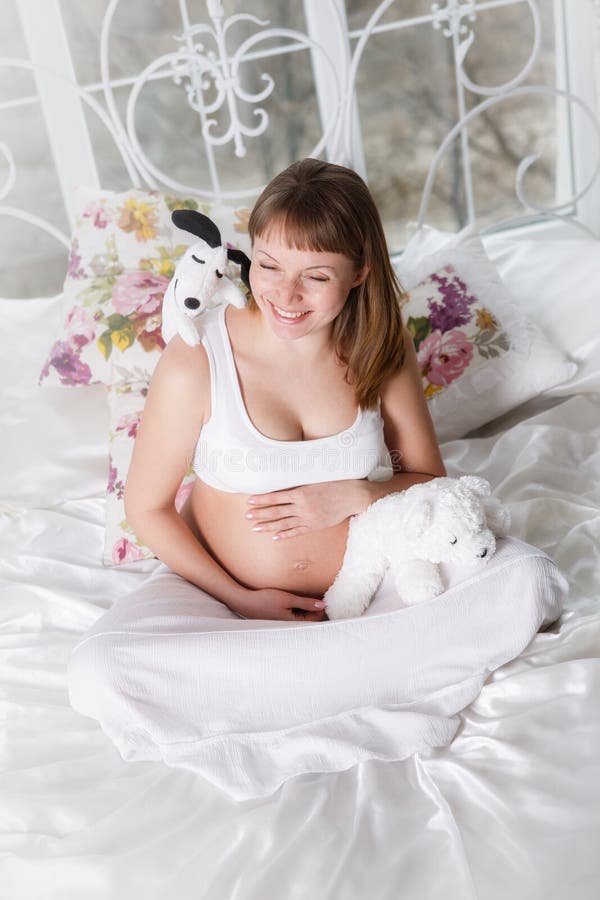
182	365
181	381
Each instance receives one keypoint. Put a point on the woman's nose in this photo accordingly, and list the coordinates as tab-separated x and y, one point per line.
289	287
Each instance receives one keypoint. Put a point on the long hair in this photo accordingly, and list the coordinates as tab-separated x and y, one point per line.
325	207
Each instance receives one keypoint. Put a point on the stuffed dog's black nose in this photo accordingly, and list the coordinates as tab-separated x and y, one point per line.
219	274
191	302
483	553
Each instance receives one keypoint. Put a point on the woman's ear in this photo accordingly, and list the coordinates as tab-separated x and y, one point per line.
360	276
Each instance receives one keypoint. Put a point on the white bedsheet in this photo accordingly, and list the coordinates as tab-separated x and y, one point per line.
511	808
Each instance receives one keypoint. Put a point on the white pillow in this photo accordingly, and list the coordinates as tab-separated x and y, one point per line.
479	355
55	442
555	282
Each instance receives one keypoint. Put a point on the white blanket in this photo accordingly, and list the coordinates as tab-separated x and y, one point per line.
511	806
172	674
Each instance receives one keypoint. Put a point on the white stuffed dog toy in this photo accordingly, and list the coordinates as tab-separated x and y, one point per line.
200	282
443	520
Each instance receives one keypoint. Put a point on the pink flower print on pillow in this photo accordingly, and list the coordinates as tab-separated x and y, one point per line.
444	357
80	327
137	301
74	268
183	492
98	214
130	423
125	551
114	486
139	292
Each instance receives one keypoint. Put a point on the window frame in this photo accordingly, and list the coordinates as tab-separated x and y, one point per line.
577	41
578	35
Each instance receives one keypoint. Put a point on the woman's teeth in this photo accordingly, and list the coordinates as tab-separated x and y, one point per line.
289	315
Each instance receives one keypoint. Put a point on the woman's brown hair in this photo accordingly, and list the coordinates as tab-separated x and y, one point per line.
325	207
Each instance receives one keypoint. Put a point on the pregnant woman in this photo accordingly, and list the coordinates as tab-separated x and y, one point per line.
296	413
285	407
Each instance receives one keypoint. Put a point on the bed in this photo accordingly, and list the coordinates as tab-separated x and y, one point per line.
510	807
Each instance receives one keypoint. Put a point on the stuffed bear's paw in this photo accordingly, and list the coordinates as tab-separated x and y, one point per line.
416	581
344	601
351	592
344	607
420	591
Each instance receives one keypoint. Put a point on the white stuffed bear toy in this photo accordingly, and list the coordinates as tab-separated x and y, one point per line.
200	282
443	520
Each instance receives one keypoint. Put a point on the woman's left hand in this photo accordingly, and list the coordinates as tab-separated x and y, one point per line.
289	513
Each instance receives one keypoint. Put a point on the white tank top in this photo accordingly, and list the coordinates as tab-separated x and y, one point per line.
232	455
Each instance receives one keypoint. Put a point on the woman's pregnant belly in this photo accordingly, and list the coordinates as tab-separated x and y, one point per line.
305	565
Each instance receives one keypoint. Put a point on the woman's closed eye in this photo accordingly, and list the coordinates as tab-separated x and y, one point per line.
320	278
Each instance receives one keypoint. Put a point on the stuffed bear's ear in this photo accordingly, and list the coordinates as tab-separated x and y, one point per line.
479	486
497	516
198	224
239	257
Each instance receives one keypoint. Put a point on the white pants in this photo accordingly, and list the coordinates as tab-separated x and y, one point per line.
172	674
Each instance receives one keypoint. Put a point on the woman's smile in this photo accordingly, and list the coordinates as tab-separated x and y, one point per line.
288	316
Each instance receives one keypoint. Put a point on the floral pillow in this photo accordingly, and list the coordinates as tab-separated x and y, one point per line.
478	354
123	255
126	398
456	327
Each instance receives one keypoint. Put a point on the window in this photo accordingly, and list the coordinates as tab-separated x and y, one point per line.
409	95
405	99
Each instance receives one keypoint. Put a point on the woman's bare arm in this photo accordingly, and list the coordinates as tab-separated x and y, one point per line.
177	405
408	429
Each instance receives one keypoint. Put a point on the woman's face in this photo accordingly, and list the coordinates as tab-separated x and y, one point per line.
299	291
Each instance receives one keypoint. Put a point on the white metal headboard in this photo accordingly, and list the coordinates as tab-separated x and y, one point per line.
208	65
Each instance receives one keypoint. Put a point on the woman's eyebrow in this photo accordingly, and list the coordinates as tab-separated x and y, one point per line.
260	250
322	266
305	269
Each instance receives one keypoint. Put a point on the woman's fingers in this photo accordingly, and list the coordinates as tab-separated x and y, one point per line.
308	604
282	528
310	615
290	532
274	498
275	524
268	513
309	608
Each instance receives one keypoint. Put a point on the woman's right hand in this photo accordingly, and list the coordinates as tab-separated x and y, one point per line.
271	603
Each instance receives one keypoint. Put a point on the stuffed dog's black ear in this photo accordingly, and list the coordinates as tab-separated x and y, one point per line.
239	257
198	224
